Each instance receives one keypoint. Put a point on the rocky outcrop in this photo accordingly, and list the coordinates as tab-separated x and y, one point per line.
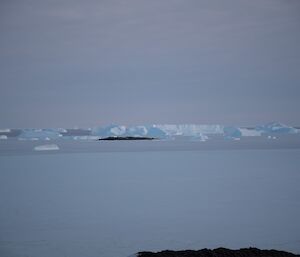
219	252
127	138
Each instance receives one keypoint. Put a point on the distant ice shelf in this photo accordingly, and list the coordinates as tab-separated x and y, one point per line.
203	132
160	131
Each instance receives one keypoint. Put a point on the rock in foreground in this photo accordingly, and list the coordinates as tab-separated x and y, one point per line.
219	252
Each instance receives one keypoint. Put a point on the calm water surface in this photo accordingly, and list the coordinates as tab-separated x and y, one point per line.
113	204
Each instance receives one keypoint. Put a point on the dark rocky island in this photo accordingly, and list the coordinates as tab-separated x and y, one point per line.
219	252
127	138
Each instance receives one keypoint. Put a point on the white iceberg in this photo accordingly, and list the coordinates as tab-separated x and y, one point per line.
51	147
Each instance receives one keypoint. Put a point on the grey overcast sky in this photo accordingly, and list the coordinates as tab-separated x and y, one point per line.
82	63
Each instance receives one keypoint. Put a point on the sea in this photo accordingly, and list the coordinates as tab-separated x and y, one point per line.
90	198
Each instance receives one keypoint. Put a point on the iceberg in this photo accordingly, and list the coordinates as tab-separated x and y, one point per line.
275	127
39	134
51	147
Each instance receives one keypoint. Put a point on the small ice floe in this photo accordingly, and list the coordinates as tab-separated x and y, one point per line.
3	137
51	147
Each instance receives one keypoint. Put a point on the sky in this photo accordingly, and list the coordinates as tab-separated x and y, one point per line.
86	63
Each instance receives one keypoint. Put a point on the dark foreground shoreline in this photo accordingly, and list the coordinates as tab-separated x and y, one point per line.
219	252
